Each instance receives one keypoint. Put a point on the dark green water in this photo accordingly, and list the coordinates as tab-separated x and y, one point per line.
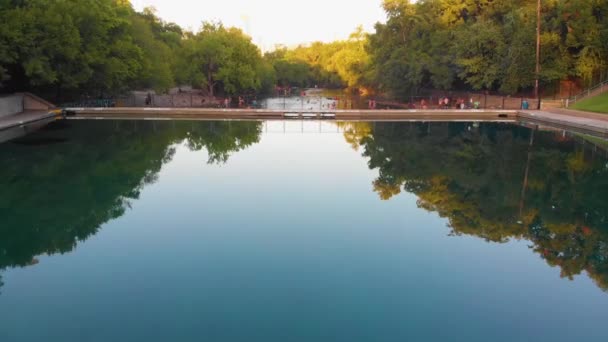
255	231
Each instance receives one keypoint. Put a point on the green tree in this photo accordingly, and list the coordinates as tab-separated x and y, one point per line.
70	45
485	44
480	55
342	63
157	58
160	43
218	56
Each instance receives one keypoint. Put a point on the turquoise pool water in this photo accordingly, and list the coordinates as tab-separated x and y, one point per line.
303	231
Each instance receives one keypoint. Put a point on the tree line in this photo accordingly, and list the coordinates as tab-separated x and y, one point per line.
487	44
64	48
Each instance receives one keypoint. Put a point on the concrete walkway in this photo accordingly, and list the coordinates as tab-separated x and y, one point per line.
592	123
230	113
579	113
25	118
18	125
583	122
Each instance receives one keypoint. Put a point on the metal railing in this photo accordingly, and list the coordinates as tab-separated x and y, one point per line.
90	103
595	90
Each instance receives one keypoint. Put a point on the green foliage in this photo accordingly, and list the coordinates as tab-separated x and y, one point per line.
70	44
339	64
158	41
223	57
66	48
289	72
486	44
268	78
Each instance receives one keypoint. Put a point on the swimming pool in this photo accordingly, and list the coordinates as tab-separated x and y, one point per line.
303	231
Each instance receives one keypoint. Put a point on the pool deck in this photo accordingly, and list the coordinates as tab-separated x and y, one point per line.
583	122
279	114
25	118
16	125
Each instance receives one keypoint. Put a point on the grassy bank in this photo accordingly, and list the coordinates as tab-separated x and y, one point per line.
598	104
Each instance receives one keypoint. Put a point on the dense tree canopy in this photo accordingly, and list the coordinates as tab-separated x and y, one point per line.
458	44
487	44
223	56
67	48
342	63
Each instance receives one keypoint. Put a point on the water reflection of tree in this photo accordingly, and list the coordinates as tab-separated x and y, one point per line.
473	175
354	132
222	138
57	194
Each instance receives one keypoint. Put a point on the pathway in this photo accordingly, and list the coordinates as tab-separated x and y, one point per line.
594	123
17	125
229	113
25	118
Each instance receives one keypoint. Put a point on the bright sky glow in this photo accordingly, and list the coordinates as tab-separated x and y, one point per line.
271	22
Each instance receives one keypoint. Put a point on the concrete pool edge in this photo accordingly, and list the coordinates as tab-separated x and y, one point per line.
590	123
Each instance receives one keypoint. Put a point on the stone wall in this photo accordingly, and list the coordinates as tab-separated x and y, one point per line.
180	100
11	104
32	102
22	102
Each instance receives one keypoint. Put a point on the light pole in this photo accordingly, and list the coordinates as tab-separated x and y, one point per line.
536	84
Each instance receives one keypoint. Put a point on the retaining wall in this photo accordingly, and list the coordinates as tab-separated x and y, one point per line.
32	102
11	104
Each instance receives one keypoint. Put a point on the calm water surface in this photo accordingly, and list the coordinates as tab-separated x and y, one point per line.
291	231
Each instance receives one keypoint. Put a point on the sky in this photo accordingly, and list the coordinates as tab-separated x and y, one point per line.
271	22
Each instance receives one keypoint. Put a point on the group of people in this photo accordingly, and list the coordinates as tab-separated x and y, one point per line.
446	103
243	103
460	103
443	103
